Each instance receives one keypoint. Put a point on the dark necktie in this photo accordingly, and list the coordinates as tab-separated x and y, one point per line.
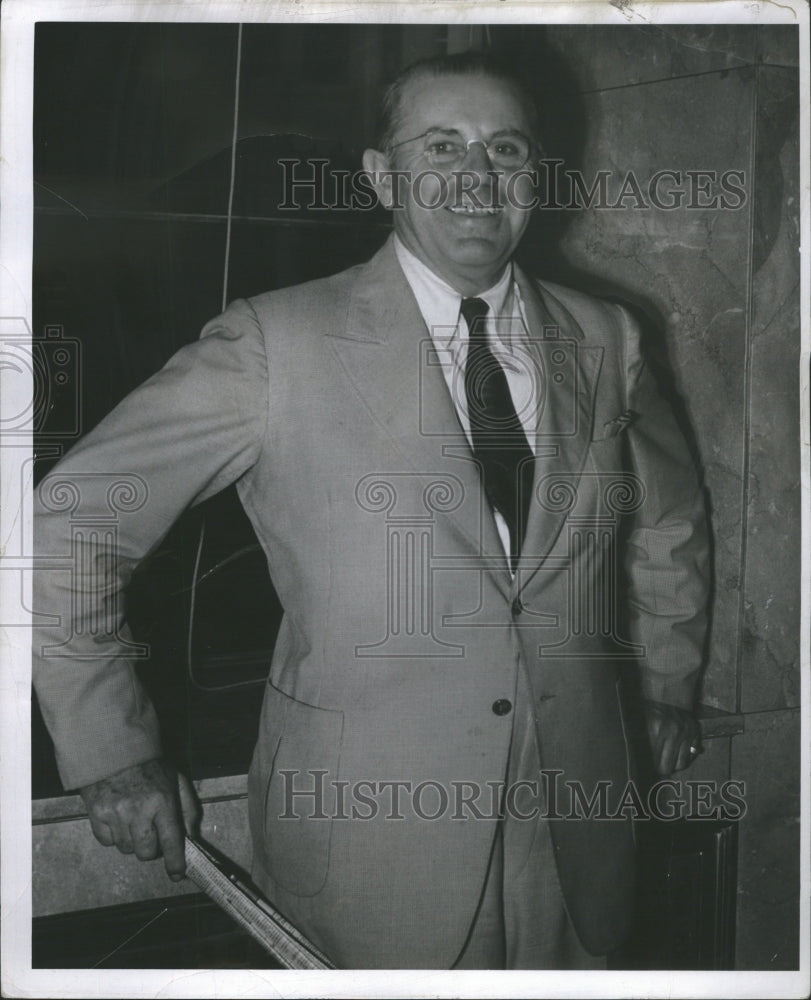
499	441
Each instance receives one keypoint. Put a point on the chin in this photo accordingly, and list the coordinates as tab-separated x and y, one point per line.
481	255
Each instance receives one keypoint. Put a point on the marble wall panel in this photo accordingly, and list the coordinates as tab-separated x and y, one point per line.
72	871
779	44
687	268
766	757
605	56
712	764
770	665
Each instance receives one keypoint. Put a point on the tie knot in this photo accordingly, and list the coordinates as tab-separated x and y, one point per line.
474	311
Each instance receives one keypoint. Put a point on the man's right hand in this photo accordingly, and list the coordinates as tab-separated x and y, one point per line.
142	810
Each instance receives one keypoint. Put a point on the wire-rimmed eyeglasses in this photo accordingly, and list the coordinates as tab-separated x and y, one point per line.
446	149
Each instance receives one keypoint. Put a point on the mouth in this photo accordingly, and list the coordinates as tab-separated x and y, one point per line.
474	211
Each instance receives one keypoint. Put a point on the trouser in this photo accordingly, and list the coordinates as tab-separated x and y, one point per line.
521	921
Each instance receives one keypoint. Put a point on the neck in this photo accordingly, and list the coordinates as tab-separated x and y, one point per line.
470	288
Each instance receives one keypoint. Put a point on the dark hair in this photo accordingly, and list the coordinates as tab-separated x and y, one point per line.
458	64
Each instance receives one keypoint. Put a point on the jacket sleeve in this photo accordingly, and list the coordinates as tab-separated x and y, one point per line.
186	433
667	555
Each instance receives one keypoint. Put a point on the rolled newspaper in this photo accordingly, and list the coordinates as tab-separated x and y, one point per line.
265	924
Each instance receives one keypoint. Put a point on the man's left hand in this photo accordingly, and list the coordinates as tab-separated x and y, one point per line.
674	734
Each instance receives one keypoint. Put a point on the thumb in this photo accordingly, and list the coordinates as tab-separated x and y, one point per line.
189	805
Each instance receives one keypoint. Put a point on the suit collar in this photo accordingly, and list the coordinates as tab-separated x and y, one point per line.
387	354
386	351
380	301
570	369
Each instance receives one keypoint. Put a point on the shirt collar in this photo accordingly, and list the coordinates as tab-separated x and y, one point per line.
439	302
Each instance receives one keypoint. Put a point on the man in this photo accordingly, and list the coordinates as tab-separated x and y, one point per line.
435	452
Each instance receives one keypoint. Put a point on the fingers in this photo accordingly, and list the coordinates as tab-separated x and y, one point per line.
690	745
110	831
677	752
683	756
190	805
149	837
659	741
144	841
172	845
669	750
101	831
689	749
141	811
675	737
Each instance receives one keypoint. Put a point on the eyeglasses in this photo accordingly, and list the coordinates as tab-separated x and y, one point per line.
446	149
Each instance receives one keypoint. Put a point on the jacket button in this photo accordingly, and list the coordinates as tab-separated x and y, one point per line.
516	608
502	706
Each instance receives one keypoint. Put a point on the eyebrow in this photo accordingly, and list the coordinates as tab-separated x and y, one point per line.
455	131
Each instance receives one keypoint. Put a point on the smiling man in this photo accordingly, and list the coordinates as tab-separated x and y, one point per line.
435	451
458	141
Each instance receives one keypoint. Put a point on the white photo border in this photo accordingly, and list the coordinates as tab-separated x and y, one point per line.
16	167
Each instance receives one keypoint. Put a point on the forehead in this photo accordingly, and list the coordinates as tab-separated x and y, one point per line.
475	103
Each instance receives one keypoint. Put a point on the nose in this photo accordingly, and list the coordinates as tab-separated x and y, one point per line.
477	158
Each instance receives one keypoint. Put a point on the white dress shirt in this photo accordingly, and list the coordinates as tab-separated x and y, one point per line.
506	330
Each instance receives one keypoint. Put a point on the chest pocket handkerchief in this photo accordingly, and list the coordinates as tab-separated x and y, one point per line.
615	426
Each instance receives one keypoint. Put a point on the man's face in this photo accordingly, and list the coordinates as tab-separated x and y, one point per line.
468	240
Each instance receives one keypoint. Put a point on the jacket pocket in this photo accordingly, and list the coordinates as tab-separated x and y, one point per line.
299	799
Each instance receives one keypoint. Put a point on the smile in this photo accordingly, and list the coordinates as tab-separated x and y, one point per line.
471	210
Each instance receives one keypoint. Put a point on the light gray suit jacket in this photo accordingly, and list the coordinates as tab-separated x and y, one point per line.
403	627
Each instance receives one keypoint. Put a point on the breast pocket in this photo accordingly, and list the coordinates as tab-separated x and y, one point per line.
607	449
615	426
292	790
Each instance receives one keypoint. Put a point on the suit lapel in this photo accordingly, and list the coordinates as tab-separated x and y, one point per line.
386	351
570	371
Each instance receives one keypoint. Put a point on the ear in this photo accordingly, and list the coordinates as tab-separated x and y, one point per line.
376	164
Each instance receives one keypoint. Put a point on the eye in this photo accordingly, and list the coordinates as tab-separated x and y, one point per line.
505	148
442	148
